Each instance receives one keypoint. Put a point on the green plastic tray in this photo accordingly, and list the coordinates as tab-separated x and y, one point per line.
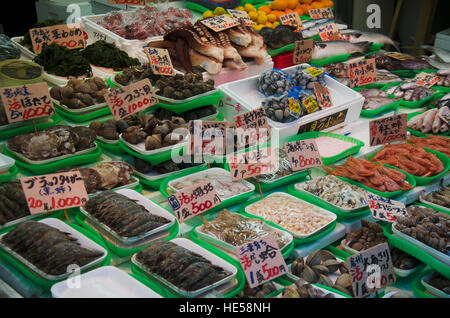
212	99
239	275
318	285
54	214
81	118
421	180
419	133
333	59
51	167
379	111
153	159
408	104
412	250
417	286
12	172
297	242
329	160
328	206
47	284
113	148
6	134
295	177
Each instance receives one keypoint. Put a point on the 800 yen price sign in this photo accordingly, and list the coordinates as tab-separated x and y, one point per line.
193	201
53	192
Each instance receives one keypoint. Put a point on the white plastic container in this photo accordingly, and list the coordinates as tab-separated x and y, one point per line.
25	52
242	96
5	163
431	289
104	282
140	147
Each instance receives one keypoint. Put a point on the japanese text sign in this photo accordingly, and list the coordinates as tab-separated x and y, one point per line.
193	201
160	61
399	56
128	2
321	13
292	19
362	73
253	163
261	260
253	126
131	99
324	122
26	102
219	23
329	32
385	209
387	129
303	51
71	36
371	270
425	79
210	137
313	71
241	15
54	191
303	154
323	95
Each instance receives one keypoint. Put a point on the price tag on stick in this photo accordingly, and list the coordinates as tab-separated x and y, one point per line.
371	270
399	56
321	13
128	2
160	61
241	15
385	209
292	19
26	102
329	32
252	126
253	163
388	129
362	73
220	23
54	192
303	154
323	95
207	137
71	36
303	51
131	99
193	201
425	79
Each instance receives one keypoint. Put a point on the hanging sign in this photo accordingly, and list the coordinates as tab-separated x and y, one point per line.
71	37
388	129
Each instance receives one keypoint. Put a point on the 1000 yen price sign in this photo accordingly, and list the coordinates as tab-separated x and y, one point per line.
160	61
70	36
387	129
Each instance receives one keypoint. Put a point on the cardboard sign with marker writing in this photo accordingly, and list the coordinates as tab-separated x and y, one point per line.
128	2
131	99
388	129
207	137
399	56
292	19
219	23
385	209
261	260
362	73
323	95
303	154
371	270
330	32
252	126
303	51
321	13
252	163
241	15
71	36
160	61
425	79
193	201
26	102
54	192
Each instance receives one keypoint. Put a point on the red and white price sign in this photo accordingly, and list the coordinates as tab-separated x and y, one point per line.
292	19
387	129
385	209
160	61
54	192
220	23
252	127
193	201
261	260
425	79
131	99
362	73
207	137
303	51
27	102
399	56
253	163
128	2
330	32
241	15
303	154
72	37
371	270
321	13
323	95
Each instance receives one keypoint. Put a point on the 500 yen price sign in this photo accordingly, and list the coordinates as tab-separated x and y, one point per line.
54	192
193	201
303	154
385	209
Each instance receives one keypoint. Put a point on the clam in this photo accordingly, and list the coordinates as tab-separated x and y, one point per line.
343	268
321	269
326	255
332	265
344	290
309	275
314	258
324	280
290	292
344	281
297	266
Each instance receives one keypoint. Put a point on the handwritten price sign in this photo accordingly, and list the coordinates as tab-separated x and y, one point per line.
292	19
54	192
425	79
219	23
387	129
193	201
303	51
261	260
303	154
362	73
252	164
330	32
207	137
63	35
385	209
371	270
323	95
241	15
399	56
27	102
131	99
321	13
252	126
128	2
160	61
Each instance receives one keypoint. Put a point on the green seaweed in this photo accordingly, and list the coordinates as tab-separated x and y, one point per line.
108	55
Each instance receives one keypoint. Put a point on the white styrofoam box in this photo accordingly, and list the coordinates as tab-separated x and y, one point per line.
442	40
57	9
242	96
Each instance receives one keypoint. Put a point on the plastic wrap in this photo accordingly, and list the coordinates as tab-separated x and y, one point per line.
8	50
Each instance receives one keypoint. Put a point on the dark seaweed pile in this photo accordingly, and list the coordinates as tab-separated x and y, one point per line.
108	55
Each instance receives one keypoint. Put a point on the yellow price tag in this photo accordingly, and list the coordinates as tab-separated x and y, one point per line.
310	104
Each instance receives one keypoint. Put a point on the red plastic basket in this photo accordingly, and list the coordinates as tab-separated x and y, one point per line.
283	60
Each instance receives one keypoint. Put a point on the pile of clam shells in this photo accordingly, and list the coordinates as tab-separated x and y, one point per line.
274	82
303	79
303	289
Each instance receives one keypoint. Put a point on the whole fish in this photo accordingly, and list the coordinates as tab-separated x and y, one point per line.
436	63
441	54
324	50
314	29
355	36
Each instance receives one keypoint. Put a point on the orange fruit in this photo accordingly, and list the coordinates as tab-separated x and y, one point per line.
279	5
299	11
266	9
292	4
288	11
278	13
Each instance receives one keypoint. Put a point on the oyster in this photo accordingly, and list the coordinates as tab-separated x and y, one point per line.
41	145
86	137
